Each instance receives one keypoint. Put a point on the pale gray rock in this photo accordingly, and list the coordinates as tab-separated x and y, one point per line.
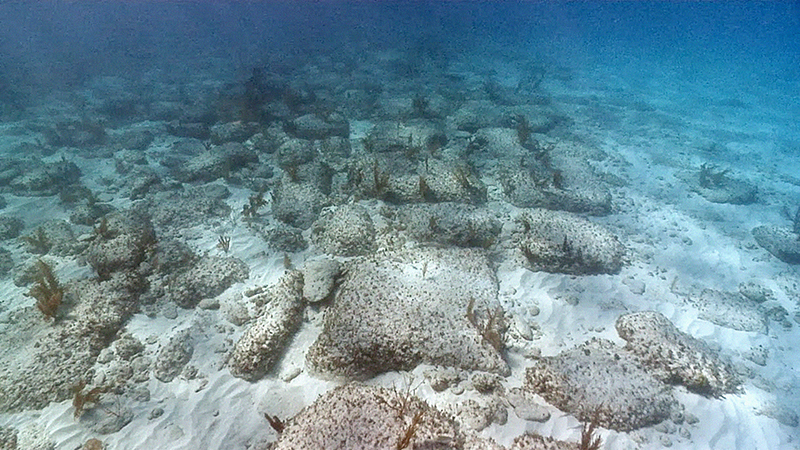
477	415
359	417
442	378
675	357
10	227
344	230
395	310
717	186
217	162
781	242
102	422
205	279
526	191
231	132
756	292
294	152
121	242
449	223
319	279
40	179
476	114
174	211
312	126
598	380
173	357
730	310
525	405
554	241
297	204
262	344
99	309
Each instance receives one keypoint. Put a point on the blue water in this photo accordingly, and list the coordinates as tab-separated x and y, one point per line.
52	43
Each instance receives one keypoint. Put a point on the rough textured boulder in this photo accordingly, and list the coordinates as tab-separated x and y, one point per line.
554	241
173	356
393	311
598	380
717	186
781	242
206	278
730	310
215	163
674	356
524	191
121	242
312	126
449	223
297	204
319	279
345	230
28	379
358	417
262	344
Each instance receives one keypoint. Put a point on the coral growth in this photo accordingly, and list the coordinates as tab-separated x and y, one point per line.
47	291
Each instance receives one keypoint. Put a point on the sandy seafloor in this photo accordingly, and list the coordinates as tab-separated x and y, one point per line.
654	124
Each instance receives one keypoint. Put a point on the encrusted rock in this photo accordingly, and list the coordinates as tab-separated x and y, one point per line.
600	381
393	311
173	211
312	126
449	223
127	347
319	279
674	356
121	242
781	242
530	441
264	340
46	178
54	237
344	230
173	357
486	382
477	415
730	310
231	132
442	378
525	405
294	152
527	192
216	163
297	204
207	278
554	241
716	185
101	308
8	438
280	236
10	227
357	417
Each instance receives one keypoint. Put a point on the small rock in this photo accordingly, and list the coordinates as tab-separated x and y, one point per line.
522	327
637	287
208	304
320	276
170	311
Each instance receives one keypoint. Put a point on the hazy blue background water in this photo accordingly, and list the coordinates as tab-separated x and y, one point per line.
48	44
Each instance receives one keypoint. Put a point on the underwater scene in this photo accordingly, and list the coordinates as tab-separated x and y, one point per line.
472	225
